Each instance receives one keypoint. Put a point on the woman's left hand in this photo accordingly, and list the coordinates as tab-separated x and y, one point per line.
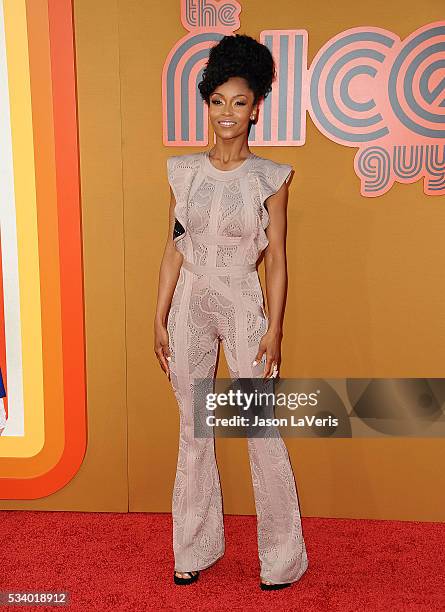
270	344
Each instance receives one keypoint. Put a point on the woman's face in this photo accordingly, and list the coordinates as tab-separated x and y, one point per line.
230	108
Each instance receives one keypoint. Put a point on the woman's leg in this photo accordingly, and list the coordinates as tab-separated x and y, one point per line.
281	547
198	531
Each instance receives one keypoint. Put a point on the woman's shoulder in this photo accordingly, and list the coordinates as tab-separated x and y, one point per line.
271	173
186	161
264	164
181	171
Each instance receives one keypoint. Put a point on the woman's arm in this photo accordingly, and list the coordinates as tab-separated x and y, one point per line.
275	257
276	277
168	277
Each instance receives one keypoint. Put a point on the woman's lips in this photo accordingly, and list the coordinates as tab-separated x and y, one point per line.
227	123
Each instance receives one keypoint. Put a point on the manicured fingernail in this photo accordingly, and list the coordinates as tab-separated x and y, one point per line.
255	362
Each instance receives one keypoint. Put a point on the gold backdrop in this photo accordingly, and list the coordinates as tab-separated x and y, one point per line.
365	294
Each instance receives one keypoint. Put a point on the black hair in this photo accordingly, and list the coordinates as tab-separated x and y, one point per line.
239	55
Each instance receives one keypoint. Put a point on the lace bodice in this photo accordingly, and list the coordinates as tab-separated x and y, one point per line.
233	233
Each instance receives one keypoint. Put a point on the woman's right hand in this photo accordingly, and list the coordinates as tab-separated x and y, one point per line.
161	347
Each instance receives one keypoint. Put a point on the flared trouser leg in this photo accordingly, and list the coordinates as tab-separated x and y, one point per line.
198	532
281	547
198	529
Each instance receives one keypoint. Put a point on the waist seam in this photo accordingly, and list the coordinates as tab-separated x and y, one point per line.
224	271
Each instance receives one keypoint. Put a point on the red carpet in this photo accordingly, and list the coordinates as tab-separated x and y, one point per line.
123	562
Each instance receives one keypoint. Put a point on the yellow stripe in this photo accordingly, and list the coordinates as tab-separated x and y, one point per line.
28	255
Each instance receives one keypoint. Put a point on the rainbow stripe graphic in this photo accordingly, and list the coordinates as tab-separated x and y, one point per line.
42	356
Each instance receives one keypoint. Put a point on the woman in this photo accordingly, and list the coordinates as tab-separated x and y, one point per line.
209	290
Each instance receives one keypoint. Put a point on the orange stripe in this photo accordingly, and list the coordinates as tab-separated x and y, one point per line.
43	133
68	192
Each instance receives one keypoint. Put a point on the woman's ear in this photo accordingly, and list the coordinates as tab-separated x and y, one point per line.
254	113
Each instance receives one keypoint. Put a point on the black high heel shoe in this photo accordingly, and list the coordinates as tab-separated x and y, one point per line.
193	578
274	587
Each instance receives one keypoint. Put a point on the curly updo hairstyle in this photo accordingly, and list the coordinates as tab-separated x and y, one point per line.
239	55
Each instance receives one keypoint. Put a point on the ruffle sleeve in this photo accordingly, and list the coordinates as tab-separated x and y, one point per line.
271	175
181	170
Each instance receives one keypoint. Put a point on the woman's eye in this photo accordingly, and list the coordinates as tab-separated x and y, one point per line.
238	102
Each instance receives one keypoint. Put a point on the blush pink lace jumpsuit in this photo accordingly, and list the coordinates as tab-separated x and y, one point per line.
220	222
